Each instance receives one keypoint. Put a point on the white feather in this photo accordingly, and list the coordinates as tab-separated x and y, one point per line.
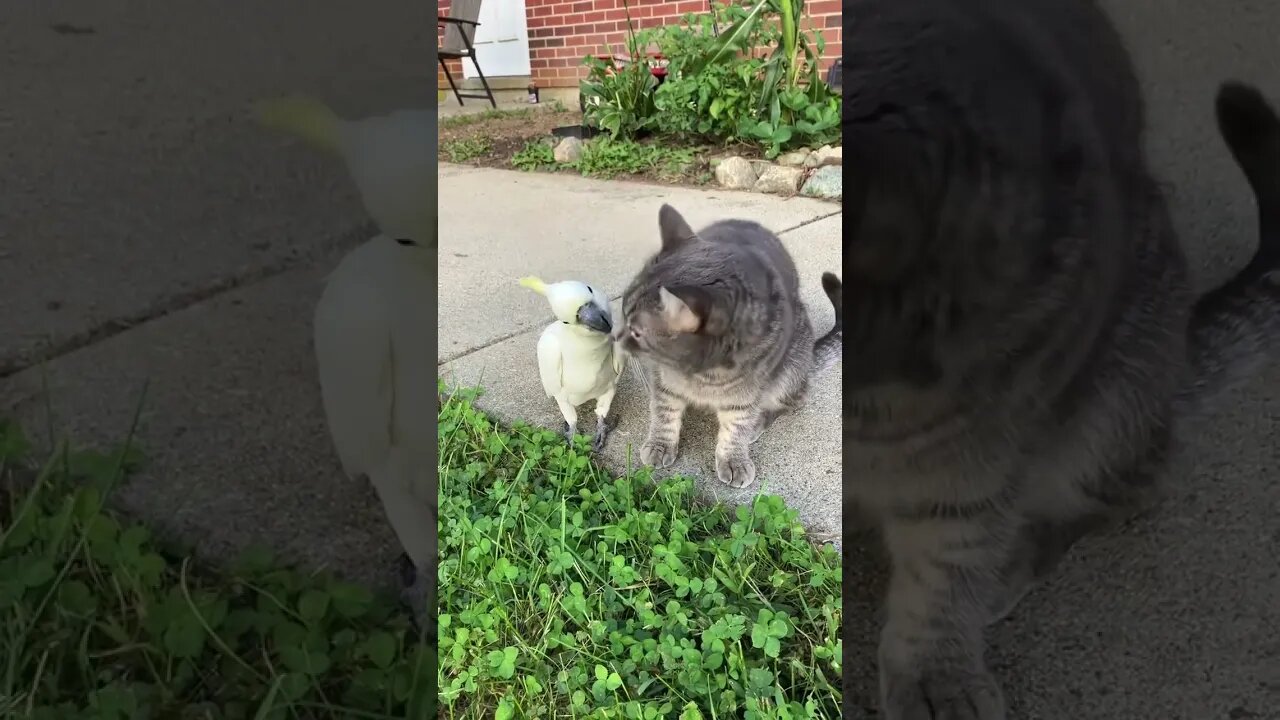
373	326
550	362
576	364
391	158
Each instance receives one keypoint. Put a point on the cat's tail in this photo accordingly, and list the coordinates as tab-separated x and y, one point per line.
1234	327
830	347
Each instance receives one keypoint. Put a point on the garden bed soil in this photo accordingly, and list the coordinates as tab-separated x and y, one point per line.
502	134
506	130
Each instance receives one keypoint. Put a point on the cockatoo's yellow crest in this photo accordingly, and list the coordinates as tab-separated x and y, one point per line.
534	284
303	116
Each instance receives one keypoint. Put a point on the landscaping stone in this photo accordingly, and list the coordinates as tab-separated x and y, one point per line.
569	150
736	173
760	166
826	183
828	155
794	159
780	180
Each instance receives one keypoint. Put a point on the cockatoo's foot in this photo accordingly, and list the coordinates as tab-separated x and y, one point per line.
602	434
569	431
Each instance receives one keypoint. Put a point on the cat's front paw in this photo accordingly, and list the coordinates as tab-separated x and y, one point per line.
658	454
941	695
736	470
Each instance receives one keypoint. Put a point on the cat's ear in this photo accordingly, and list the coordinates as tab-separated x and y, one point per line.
691	310
675	231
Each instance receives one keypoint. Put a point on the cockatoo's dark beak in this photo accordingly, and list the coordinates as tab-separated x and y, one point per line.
595	317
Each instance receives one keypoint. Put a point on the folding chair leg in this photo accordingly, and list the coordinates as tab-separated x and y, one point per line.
449	76
483	81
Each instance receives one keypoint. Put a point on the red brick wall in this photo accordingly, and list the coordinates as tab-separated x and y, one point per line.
455	66
561	32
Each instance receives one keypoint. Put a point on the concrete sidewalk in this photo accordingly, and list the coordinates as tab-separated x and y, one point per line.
502	225
134	180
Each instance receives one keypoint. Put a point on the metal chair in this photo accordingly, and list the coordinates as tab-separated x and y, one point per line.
459	33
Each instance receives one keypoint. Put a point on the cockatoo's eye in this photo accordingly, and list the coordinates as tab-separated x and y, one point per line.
635	334
593	292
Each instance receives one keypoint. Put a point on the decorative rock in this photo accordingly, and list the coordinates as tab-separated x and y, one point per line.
735	173
827	183
828	155
760	166
781	180
569	150
794	159
815	158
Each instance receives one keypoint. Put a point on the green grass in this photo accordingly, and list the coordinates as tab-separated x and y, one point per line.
456	121
460	151
99	619
535	155
566	592
604	157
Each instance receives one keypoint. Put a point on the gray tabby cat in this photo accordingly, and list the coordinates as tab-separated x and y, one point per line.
716	319
1025	340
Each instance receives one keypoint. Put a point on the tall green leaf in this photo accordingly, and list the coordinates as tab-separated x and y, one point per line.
733	40
786	8
772	77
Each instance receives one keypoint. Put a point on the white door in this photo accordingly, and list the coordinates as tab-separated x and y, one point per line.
502	40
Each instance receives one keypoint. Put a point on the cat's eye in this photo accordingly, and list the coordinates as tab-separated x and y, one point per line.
635	334
590	290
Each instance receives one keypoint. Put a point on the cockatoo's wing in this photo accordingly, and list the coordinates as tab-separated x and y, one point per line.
378	383
353	337
408	491
551	362
402	487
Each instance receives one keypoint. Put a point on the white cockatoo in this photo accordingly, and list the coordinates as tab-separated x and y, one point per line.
374	339
390	157
375	323
578	359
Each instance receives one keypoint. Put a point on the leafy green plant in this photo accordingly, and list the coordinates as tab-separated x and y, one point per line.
721	86
466	149
703	99
606	157
794	106
619	98
568	592
535	155
100	619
